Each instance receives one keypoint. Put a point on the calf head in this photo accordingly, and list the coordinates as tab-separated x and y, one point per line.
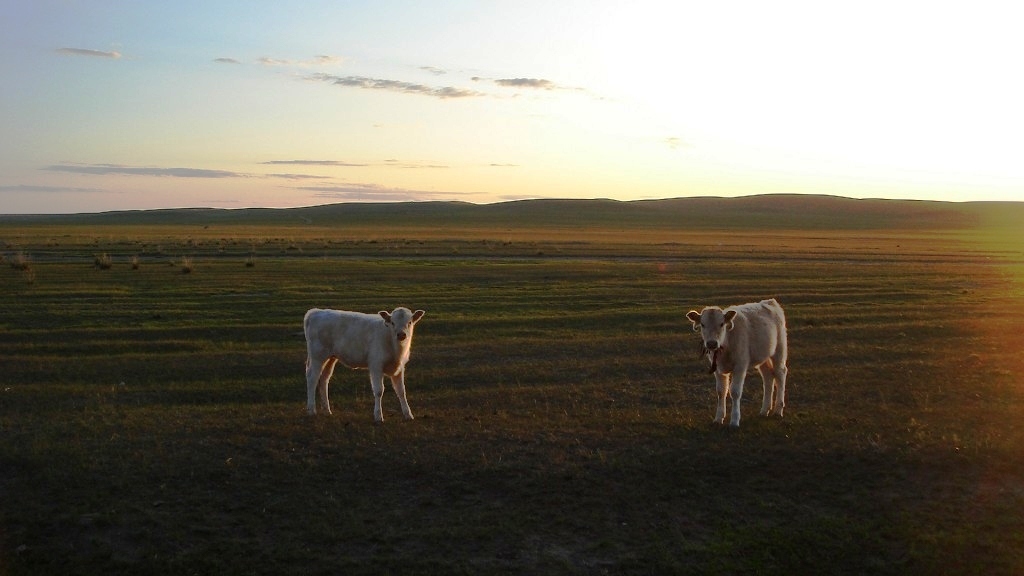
713	325
401	322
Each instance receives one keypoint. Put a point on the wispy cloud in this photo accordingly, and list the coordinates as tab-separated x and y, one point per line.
400	86
153	171
675	143
315	163
362	192
412	165
404	86
391	163
537	83
88	52
267	61
50	189
227	61
107	169
324	60
297	176
528	84
318	60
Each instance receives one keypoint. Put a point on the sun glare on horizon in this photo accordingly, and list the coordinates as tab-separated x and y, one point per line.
833	95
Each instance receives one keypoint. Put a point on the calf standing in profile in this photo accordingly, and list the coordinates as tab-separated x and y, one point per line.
737	339
380	343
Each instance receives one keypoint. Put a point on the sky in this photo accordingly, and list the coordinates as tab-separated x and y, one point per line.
117	105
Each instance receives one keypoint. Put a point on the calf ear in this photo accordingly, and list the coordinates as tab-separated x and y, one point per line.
417	315
385	315
694	317
728	319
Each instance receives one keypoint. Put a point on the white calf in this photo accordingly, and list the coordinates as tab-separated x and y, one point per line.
737	339
378	342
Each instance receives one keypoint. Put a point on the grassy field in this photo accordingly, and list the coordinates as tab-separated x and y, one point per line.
153	421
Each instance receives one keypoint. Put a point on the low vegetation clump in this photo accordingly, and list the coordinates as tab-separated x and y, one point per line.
20	262
187	265
104	262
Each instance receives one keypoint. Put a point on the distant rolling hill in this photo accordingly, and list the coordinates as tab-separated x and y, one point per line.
781	211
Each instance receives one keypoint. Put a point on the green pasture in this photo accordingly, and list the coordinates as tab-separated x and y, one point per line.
152	420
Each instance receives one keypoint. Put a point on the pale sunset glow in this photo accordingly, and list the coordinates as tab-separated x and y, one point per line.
110	105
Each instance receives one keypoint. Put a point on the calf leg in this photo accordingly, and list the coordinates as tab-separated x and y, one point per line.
780	376
722	387
398	383
768	379
313	370
325	379
377	383
739	375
